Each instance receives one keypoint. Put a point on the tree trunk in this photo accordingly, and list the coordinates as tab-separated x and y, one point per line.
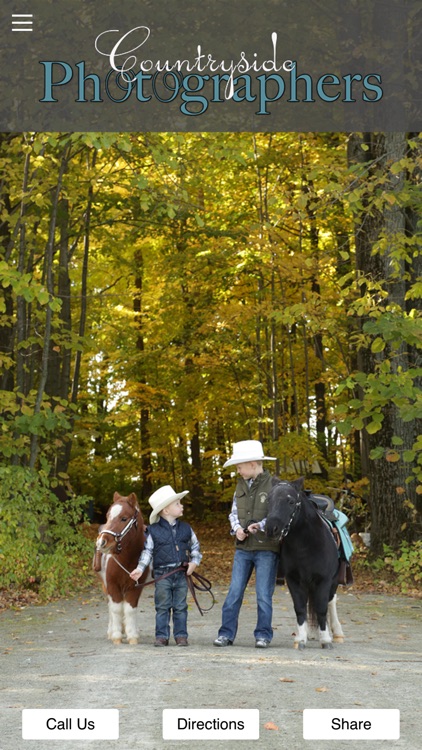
20	300
74	389
146	466
49	313
391	516
414	272
320	404
58	383
6	328
197	490
367	230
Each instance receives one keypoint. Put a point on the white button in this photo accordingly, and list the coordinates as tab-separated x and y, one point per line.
210	724
70	724
351	724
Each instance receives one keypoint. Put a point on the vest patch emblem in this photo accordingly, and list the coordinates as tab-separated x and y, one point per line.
263	497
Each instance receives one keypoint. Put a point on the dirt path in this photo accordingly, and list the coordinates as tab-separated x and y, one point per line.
57	656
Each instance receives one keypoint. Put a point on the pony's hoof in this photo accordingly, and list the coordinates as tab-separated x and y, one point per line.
117	641
302	646
328	646
338	638
132	641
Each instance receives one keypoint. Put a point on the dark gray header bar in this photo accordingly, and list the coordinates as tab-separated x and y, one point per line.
288	65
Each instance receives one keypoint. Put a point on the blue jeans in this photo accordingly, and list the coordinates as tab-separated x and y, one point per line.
170	597
265	564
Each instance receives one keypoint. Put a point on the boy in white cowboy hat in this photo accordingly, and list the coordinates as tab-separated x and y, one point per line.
253	548
170	543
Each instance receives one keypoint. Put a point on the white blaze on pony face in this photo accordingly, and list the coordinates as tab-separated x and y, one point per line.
115	510
105	543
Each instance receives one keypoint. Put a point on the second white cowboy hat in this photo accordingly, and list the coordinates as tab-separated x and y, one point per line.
247	450
161	498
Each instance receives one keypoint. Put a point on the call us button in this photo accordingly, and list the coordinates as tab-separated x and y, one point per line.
70	724
351	724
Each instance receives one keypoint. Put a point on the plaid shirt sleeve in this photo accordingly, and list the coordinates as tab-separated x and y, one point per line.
146	555
234	518
195	552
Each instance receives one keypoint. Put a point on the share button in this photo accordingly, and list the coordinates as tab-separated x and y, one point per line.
351	724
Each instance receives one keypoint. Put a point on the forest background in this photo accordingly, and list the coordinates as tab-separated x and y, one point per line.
164	295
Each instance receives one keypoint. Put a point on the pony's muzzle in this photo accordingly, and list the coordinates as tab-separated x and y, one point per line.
272	529
102	544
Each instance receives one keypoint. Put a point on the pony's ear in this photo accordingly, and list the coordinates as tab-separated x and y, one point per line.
299	483
133	500
116	497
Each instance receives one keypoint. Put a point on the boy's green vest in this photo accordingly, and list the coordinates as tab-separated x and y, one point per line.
252	506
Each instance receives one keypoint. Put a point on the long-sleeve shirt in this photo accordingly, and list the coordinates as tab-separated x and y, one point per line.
148	551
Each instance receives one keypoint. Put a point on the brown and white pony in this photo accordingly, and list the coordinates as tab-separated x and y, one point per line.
120	542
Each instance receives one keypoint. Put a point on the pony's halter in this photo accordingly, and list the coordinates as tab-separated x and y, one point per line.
120	534
286	529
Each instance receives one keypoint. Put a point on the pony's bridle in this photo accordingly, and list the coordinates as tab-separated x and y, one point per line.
120	534
287	527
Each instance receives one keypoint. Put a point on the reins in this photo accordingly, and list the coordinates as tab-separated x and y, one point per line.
286	529
203	583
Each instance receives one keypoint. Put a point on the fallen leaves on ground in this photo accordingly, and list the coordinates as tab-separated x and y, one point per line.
270	725
12	599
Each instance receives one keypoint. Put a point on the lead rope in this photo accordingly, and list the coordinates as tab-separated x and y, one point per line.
203	583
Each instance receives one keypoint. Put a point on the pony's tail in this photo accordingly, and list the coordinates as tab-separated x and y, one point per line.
312	617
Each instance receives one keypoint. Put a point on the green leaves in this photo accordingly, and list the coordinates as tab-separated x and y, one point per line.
395	327
40	537
26	285
378	345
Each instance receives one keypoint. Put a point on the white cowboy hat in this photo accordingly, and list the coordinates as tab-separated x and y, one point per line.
247	450
161	498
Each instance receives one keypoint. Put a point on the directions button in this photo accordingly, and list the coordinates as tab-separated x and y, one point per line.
210	724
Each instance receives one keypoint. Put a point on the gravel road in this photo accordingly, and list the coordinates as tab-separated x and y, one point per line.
57	656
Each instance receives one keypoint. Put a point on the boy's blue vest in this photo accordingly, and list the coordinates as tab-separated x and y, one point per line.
170	548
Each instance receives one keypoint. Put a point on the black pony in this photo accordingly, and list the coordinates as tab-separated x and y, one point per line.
309	559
